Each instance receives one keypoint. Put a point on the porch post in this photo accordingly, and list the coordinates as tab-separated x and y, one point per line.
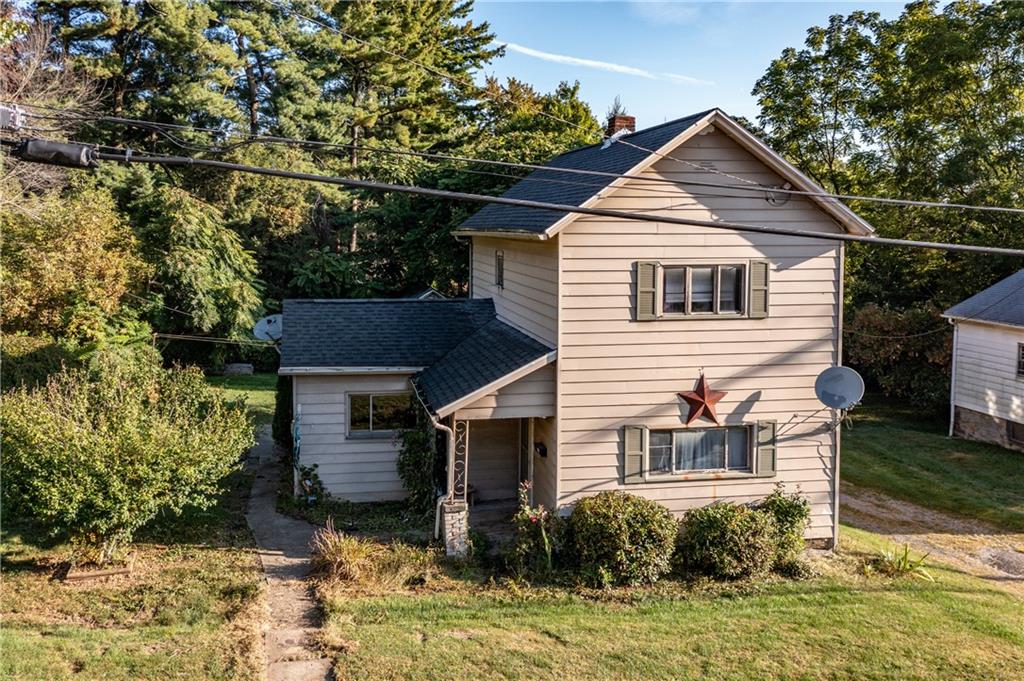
455	509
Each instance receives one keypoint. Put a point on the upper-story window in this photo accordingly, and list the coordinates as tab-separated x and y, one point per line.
674	290
1020	360
703	289
499	268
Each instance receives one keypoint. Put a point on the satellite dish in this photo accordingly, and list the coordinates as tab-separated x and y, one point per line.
269	328
839	387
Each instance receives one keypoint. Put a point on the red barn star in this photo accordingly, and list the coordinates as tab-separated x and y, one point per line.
702	401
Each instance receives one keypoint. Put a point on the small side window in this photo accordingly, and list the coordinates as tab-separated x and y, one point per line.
499	268
1020	360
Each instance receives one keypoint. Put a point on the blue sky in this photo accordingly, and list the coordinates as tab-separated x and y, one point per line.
664	59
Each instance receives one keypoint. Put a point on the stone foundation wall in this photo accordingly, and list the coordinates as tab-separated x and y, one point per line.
455	523
973	425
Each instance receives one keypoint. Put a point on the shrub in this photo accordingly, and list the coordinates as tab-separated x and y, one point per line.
896	351
30	360
339	556
727	541
417	455
97	455
620	538
791	513
343	558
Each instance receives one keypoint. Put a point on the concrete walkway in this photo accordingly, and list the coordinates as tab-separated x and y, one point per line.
284	551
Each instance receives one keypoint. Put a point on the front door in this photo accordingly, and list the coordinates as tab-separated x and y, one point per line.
494	458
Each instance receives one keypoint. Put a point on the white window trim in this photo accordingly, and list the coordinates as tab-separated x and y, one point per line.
744	265
702	473
370	434
1020	361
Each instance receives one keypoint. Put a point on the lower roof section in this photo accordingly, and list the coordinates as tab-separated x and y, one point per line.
493	356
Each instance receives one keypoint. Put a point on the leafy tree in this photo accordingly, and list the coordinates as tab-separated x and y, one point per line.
204	280
70	262
96	456
929	105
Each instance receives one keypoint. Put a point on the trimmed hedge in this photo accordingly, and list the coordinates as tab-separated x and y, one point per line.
791	512
727	541
620	538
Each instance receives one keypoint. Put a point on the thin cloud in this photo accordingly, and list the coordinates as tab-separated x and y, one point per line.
577	61
611	67
685	80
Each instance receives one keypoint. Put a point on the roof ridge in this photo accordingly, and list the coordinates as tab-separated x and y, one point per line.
674	121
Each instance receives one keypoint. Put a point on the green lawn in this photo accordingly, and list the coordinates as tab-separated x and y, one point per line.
841	625
258	390
901	454
190	610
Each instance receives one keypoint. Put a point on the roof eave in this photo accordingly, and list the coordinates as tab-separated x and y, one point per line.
523	235
336	370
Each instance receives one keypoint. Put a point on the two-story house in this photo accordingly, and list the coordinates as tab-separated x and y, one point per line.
673	361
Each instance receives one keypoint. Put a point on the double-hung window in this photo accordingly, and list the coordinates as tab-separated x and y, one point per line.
695	450
703	289
380	414
1020	360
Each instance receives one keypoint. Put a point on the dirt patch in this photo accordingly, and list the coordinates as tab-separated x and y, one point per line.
975	547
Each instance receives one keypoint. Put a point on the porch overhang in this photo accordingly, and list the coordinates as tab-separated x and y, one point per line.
486	361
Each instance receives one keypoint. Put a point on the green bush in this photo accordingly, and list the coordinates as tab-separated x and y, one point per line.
791	513
417	457
727	541
282	423
620	538
96	455
30	360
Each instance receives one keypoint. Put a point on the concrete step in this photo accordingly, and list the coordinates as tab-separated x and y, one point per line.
300	670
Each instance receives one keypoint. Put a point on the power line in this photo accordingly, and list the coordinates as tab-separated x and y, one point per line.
748	187
456	80
125	157
211	339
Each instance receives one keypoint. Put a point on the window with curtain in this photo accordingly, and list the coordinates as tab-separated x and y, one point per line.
703	289
699	449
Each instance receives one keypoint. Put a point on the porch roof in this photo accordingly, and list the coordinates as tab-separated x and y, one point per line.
494	355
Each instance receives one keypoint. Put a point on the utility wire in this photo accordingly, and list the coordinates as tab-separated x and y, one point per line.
212	339
464	82
748	186
125	157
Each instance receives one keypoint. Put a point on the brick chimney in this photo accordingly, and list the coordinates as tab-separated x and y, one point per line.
618	122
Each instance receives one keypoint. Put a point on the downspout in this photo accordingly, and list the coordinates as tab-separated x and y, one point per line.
952	379
451	459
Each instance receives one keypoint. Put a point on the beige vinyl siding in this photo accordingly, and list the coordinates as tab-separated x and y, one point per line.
616	372
544	472
356	469
494	459
529	299
986	370
531	395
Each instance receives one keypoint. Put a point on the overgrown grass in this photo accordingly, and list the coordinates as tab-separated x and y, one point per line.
842	624
257	389
190	609
906	455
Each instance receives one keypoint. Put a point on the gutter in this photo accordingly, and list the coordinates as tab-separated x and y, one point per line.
441	498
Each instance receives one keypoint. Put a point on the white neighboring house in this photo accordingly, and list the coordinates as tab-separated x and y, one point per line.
986	399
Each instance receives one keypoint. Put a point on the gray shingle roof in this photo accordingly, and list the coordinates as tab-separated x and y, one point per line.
1002	303
377	333
493	351
618	158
